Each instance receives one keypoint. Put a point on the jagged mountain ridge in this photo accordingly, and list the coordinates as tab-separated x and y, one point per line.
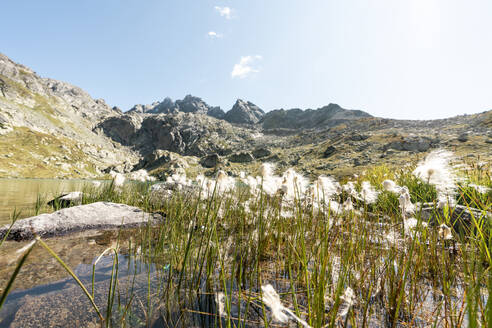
246	112
53	129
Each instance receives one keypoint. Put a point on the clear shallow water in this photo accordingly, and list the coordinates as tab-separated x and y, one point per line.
21	194
44	295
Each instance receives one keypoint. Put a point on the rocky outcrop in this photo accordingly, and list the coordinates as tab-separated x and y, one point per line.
330	150
99	215
66	200
323	117
216	112
190	134
53	115
261	152
241	157
17	81
122	129
210	161
189	104
244	112
413	143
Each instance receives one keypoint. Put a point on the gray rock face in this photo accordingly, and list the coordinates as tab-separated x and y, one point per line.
121	129
154	160
190	134
99	215
29	102
324	117
244	112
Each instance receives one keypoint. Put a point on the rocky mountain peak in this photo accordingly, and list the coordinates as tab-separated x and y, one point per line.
323	117
192	104
189	104
244	112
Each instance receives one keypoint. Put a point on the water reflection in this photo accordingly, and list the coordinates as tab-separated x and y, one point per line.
21	194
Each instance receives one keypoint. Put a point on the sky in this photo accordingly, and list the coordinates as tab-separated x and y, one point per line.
411	59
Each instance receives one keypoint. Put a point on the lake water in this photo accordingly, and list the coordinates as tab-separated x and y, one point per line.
21	194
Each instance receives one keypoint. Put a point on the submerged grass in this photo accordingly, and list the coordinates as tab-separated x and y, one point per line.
206	262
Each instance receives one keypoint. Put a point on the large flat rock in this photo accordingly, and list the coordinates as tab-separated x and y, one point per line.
101	215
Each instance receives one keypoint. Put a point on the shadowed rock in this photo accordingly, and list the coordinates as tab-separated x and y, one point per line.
67	200
242	157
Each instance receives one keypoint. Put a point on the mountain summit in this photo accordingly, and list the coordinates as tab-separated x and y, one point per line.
244	112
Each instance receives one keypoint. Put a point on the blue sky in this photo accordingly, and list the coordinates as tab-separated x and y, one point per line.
393	58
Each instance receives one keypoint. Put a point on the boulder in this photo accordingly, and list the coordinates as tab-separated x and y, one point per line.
463	137
100	215
358	137
66	200
330	150
210	161
413	143
261	152
461	217
242	157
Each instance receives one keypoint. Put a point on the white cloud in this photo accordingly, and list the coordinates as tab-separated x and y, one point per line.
214	35
224	12
245	67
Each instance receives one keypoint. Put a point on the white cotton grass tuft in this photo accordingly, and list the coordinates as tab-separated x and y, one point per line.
480	189
220	301
444	232
279	312
436	170
406	205
349	188
348	300
266	169
118	180
391	186
368	193
410	225
141	175
178	181
272	300
224	182
293	184
324	188
347	205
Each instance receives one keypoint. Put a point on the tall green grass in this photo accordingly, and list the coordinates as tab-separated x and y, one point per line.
234	243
